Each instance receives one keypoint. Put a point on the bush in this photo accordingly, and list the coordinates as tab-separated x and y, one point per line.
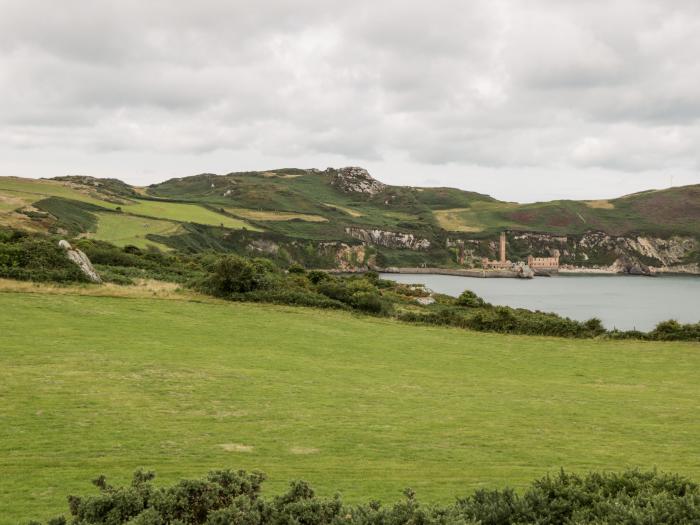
296	268
368	302
226	497
469	299
36	258
317	276
674	331
594	326
234	274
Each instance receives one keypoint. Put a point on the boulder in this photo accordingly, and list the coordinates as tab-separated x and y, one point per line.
355	180
523	271
82	260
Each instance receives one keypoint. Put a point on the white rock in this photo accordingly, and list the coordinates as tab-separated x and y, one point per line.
82	260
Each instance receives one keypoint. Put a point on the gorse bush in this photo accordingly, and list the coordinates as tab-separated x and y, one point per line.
234	498
233	274
258	280
675	331
34	258
469	299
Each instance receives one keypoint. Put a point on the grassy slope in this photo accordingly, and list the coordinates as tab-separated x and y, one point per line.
95	385
304	205
48	188
184	213
122	230
663	212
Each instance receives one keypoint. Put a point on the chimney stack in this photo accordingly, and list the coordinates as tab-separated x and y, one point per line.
503	247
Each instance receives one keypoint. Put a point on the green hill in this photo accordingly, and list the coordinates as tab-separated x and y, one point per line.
104	385
291	206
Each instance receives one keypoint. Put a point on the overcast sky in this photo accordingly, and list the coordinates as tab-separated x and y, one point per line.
523	99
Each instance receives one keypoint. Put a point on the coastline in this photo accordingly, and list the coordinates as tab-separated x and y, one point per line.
459	272
511	274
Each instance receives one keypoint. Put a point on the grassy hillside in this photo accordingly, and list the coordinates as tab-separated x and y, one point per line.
422	210
286	209
107	210
94	385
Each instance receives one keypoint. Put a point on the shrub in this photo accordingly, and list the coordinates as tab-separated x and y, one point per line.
594	326
317	276
296	268
234	274
337	290
36	258
226	497
674	331
368	302
469	299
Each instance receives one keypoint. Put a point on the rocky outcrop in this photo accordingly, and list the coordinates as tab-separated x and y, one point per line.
352	258
603	253
355	180
264	246
523	270
389	239
82	260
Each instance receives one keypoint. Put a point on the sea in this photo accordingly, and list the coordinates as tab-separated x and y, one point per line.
620	301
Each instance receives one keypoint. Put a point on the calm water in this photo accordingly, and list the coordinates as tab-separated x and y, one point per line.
623	302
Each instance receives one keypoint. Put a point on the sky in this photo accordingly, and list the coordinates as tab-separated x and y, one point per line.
525	100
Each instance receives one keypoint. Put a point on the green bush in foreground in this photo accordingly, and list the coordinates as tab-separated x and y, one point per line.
32	258
233	498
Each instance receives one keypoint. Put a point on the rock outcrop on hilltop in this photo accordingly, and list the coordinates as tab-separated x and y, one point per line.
78	257
355	180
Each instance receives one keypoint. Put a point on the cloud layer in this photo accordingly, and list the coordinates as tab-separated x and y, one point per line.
499	95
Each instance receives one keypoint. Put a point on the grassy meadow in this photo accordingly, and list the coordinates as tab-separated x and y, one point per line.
184	213
122	230
181	384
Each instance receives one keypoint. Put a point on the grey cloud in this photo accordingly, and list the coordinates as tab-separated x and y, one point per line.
567	85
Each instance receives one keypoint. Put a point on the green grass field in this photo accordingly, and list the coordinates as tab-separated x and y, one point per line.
40	189
185	213
260	215
92	385
121	230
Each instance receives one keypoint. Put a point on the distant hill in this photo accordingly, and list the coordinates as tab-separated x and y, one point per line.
298	209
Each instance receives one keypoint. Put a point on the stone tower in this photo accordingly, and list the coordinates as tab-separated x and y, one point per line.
503	247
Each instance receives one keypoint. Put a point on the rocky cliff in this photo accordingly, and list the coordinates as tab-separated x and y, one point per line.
389	239
591	252
355	180
644	255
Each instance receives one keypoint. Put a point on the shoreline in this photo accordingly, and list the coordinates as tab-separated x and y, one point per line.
459	272
480	273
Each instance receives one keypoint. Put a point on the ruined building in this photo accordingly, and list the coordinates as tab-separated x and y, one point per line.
502	262
543	263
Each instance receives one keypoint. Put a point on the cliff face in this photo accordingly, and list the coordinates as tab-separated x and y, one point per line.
389	239
614	254
591	252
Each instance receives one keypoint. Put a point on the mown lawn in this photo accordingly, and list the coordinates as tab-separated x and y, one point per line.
92	385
